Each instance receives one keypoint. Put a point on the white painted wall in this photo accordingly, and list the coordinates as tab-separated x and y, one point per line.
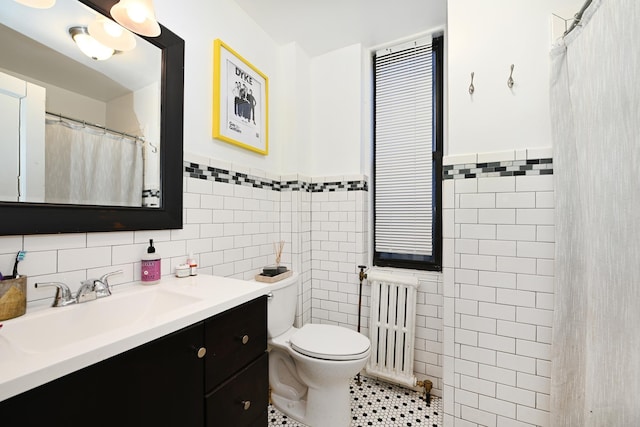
74	105
137	113
291	114
199	23
486	38
319	107
63	101
336	113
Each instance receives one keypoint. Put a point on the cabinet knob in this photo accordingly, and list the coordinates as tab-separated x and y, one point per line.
246	404
201	352
245	339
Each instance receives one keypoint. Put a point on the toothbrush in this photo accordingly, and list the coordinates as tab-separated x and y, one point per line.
19	257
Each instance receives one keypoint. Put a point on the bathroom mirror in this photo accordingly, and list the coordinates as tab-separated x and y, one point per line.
162	138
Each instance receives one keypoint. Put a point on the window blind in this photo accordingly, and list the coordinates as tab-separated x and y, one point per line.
404	134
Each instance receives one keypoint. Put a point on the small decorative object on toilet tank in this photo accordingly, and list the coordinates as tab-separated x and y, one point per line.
151	269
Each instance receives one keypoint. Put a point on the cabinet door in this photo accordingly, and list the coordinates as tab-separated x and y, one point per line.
242	401
165	382
157	384
234	339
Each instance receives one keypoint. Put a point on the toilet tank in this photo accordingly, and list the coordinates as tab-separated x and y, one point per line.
281	308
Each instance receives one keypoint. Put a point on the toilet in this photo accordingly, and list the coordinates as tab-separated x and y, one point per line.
310	367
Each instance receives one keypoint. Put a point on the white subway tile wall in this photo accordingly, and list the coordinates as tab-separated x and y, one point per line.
232	218
498	294
339	240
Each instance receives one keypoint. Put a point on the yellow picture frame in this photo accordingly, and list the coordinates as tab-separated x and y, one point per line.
240	100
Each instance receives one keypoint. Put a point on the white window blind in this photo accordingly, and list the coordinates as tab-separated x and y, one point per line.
404	150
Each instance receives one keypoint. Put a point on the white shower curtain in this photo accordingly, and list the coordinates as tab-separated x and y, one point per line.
595	108
89	166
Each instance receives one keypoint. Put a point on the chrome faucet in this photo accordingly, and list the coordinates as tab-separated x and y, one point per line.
89	290
63	294
95	288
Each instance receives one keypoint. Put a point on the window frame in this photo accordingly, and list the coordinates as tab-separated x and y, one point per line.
434	262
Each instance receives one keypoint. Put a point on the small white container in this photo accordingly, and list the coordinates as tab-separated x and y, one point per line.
183	270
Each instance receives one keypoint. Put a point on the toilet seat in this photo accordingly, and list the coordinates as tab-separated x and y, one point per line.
329	342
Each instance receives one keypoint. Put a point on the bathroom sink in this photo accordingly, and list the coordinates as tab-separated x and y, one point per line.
58	327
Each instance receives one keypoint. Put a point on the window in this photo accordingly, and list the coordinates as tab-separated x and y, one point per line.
407	172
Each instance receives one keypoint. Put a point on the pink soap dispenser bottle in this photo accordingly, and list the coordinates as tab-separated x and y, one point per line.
151	269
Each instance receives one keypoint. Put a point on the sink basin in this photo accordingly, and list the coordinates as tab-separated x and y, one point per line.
58	327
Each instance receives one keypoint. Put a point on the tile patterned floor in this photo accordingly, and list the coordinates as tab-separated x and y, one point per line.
377	403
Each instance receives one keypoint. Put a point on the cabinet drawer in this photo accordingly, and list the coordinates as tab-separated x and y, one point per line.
243	400
233	339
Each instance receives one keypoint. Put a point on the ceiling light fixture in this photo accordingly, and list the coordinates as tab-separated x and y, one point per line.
90	46
38	4
137	16
112	35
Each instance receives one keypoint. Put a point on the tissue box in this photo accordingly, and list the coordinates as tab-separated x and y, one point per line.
13	297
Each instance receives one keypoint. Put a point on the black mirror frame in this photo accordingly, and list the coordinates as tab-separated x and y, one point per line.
44	218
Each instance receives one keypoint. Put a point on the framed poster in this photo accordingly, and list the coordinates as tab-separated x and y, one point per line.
240	101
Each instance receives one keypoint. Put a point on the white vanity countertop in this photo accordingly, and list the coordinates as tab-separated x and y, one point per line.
116	326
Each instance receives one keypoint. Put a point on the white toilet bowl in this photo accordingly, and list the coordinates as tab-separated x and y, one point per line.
314	389
310	368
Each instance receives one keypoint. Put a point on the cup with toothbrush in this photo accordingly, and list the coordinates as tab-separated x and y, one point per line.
13	292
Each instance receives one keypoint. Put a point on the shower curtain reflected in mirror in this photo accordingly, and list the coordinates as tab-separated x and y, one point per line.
88	166
595	109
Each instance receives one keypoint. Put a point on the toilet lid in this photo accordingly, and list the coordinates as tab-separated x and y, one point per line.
329	342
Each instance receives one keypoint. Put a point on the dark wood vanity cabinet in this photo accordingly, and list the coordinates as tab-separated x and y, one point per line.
236	366
165	382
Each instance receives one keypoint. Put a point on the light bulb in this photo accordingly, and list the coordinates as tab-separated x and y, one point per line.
90	46
38	4
137	16
111	34
113	29
137	12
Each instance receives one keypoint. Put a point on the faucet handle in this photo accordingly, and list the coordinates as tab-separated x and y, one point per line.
102	287
87	291
63	294
105	277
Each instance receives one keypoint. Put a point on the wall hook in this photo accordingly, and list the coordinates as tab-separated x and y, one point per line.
510	81
471	87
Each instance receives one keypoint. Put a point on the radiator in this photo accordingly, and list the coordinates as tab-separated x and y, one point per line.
392	326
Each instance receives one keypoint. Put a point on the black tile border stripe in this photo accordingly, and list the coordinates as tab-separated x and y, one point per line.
529	167
151	198
194	170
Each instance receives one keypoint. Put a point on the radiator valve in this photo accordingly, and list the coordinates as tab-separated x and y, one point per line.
426	385
362	274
